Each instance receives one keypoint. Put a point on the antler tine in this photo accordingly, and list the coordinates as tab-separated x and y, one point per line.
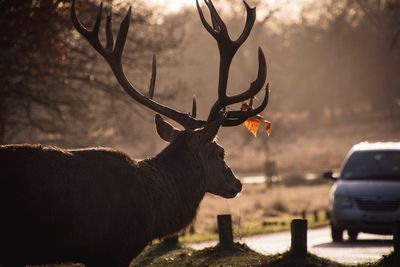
91	36
153	77
217	21
194	107
250	20
207	26
109	34
122	34
96	26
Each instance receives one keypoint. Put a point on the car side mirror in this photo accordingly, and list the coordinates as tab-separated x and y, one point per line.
330	175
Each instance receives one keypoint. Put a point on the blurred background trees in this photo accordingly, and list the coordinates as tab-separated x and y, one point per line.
55	89
333	66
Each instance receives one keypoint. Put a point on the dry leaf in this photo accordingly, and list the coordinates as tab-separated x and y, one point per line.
253	123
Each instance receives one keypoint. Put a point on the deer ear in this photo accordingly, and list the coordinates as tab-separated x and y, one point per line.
209	132
165	130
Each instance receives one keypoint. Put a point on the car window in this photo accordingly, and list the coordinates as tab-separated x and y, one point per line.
372	165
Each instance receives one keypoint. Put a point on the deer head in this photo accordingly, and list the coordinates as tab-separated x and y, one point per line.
198	135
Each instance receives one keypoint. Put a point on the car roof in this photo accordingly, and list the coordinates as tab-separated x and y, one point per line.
366	146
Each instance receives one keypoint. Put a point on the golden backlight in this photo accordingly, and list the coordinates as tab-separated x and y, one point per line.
290	9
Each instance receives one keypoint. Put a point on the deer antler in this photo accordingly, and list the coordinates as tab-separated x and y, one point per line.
112	53
227	50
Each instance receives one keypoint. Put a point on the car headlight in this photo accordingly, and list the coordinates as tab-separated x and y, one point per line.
341	201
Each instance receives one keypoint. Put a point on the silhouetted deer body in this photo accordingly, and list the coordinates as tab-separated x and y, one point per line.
100	207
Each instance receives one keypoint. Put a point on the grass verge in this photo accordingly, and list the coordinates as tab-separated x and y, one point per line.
239	255
278	224
170	255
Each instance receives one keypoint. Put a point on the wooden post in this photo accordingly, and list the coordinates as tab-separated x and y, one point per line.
225	231
303	214
396	242
299	238
327	215
316	216
192	230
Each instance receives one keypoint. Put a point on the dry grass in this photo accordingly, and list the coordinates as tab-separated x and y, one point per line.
259	203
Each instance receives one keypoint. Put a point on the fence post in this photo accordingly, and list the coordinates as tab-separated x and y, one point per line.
303	214
327	215
225	231
316	216
396	242
192	230
299	238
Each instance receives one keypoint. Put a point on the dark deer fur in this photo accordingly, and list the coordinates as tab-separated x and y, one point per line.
96	206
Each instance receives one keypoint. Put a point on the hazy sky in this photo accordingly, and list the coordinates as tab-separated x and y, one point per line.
290	9
173	5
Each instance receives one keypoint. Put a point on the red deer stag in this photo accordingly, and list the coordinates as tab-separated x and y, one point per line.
100	207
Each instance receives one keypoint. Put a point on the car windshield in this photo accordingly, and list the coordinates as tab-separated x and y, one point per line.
371	165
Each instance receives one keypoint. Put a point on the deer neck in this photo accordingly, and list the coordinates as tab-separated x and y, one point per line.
178	189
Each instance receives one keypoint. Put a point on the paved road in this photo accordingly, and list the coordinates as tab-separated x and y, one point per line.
368	248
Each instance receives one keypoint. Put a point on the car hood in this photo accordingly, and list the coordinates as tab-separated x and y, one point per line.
369	189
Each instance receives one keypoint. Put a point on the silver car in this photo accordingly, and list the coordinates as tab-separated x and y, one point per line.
366	194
